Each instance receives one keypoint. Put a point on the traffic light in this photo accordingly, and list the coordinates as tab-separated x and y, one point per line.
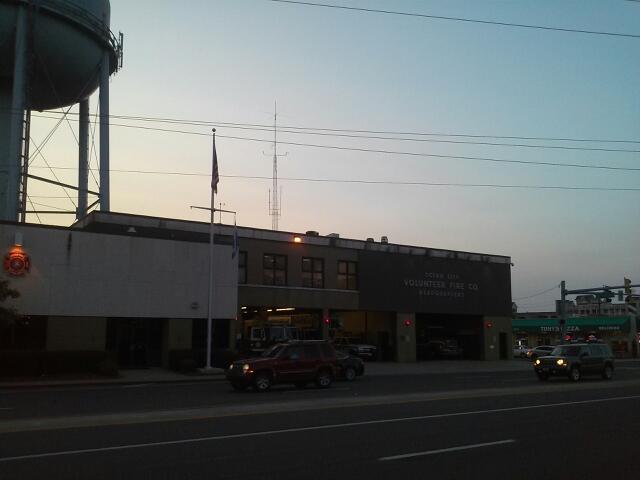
407	323
627	286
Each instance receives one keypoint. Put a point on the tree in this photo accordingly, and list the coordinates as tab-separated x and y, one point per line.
7	314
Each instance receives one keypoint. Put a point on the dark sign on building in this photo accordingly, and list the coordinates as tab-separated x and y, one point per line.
421	284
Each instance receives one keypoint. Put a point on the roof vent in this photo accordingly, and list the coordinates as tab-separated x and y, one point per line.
384	240
334	235
370	239
312	233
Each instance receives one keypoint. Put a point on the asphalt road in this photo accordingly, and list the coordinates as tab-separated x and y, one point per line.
62	401
452	427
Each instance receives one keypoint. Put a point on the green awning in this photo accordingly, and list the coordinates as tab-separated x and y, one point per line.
574	324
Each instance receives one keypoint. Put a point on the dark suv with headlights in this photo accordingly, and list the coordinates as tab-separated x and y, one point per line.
296	362
575	360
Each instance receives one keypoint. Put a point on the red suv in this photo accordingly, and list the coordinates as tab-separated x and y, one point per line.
296	362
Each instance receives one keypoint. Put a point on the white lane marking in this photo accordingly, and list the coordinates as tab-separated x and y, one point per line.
445	450
309	429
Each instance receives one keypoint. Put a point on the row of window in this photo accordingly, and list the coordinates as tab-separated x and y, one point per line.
274	271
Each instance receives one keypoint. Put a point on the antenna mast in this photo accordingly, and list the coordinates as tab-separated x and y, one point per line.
275	210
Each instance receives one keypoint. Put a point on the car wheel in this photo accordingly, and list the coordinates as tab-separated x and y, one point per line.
607	373
350	374
542	376
575	374
240	387
262	382
324	379
300	385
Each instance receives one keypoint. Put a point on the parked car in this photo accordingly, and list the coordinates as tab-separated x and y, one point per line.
295	362
352	346
521	351
539	351
575	360
439	349
261	338
348	366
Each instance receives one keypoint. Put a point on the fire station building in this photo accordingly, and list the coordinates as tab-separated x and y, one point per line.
137	287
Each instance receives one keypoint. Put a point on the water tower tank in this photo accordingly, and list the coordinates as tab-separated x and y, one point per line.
69	38
53	53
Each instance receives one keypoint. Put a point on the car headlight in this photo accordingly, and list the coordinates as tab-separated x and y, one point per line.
560	361
231	367
245	367
537	362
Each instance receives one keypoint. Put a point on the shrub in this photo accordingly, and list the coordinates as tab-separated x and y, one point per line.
107	368
20	363
223	358
186	365
33	363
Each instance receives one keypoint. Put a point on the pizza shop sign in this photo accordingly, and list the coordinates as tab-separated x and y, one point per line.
575	328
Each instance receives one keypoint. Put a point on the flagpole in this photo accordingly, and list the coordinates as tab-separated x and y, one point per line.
211	243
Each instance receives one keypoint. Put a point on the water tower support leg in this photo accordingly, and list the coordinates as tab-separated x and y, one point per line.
83	159
17	116
104	133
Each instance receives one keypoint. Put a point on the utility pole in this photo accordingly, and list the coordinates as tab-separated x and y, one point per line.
601	292
275	202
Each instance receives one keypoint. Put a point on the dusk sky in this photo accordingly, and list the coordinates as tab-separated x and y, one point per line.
228	61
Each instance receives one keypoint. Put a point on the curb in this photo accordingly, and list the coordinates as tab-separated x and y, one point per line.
106	383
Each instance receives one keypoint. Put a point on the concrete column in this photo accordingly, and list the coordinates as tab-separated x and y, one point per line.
177	336
17	114
104	133
492	327
83	159
234	330
405	337
323	324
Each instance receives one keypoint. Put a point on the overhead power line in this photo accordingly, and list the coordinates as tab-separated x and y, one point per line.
305	129
457	19
538	294
370	182
388	152
433	140
434	155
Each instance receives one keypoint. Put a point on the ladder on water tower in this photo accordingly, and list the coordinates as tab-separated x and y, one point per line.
24	166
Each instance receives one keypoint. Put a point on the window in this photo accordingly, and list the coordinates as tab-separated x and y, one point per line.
311	352
293	353
347	275
312	272
242	267
274	269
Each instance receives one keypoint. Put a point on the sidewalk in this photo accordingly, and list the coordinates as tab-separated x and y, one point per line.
372	369
125	377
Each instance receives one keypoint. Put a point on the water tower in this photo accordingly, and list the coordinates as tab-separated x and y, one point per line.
53	54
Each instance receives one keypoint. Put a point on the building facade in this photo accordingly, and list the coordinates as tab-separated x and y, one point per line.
137	287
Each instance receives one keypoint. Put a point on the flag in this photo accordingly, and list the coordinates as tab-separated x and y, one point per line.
234	251
215	178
